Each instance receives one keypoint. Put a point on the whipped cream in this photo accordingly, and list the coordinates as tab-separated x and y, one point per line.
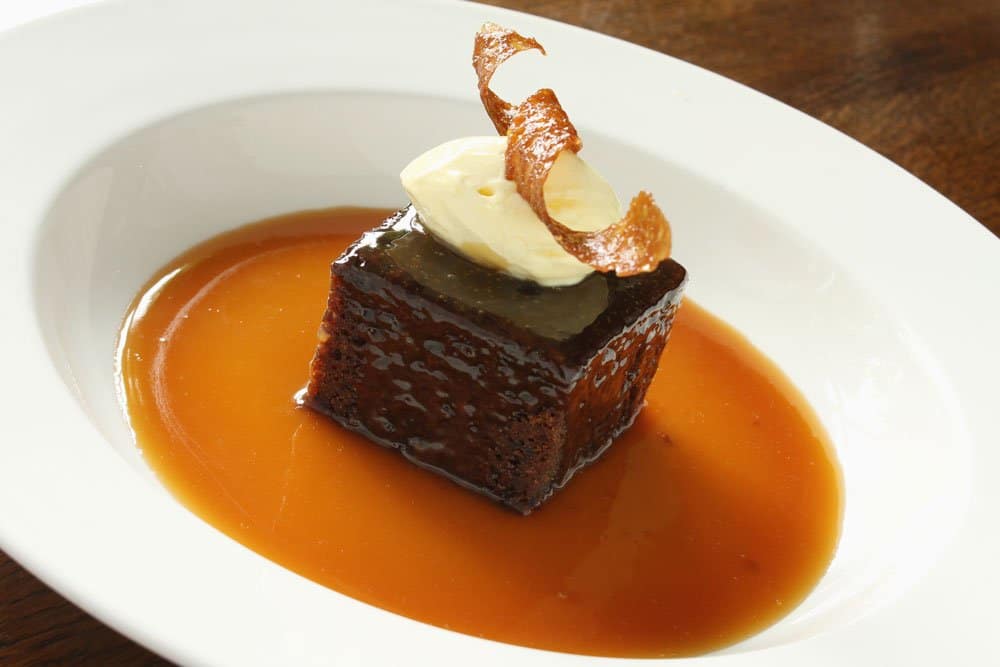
462	197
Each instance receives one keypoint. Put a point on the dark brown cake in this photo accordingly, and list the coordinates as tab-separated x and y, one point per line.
504	386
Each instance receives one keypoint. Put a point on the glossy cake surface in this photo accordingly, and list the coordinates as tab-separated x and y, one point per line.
504	386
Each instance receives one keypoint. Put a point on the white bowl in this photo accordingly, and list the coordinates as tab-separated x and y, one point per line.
133	130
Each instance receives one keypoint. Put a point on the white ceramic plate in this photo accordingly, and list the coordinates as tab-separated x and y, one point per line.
131	130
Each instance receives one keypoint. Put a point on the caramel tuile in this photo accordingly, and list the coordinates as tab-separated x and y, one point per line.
538	130
494	45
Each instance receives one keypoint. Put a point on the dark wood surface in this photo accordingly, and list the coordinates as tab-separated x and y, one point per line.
917	80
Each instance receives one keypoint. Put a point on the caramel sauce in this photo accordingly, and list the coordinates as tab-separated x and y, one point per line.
706	522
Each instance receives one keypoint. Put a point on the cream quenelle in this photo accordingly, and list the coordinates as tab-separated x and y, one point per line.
462	197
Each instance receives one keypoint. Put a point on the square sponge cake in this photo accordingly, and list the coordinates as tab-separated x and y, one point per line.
503	386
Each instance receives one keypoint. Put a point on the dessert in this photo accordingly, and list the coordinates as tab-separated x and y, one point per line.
483	337
709	519
505	386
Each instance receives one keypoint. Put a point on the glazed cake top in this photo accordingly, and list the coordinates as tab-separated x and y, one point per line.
571	323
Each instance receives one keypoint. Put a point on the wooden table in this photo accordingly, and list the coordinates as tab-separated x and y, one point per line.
917	80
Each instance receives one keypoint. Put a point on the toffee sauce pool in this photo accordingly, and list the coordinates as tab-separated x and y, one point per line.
709	520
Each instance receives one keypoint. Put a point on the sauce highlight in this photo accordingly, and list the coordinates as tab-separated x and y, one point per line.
706	522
